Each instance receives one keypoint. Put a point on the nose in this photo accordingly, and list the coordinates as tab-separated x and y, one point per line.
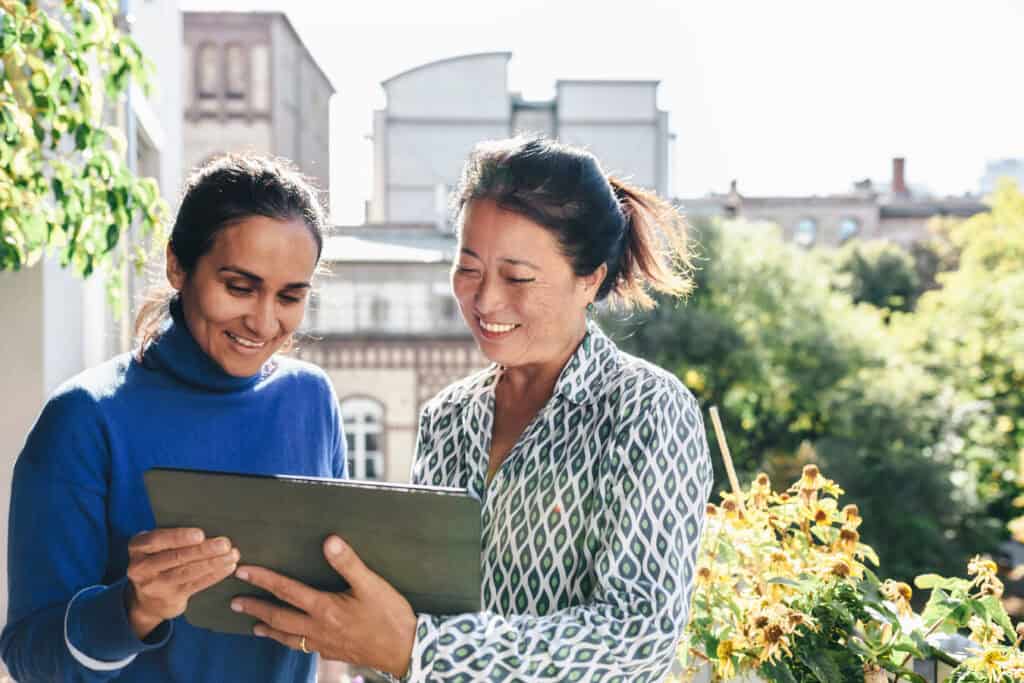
262	319
488	297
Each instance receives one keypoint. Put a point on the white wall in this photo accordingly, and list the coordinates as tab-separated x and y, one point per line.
43	310
158	31
208	137
469	87
607	100
629	151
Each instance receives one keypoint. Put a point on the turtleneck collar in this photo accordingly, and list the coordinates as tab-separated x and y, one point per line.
176	352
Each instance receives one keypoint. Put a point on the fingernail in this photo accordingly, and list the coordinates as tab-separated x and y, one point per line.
236	606
235	555
196	536
334	546
223	545
259	631
242	574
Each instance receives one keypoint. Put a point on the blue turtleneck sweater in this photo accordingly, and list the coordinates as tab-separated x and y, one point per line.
78	498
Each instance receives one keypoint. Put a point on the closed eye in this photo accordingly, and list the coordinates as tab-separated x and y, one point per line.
521	280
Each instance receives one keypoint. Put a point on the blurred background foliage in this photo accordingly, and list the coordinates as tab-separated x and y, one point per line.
899	372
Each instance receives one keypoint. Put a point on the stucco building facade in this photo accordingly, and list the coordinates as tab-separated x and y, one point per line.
250	84
437	112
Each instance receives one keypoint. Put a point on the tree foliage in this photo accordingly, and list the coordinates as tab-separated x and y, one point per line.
917	412
64	182
879	273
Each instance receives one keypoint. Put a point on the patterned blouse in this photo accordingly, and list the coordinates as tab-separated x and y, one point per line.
590	526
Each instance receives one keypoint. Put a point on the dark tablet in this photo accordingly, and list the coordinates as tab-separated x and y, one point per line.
424	540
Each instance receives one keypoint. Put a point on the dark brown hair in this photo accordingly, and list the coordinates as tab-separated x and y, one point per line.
595	217
225	190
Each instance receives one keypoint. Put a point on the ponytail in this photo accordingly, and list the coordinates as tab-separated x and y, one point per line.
655	254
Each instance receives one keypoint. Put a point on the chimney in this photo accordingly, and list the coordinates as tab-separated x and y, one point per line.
899	180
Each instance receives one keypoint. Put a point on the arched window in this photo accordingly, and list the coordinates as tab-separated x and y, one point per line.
849	228
364	426
207	71
237	71
806	232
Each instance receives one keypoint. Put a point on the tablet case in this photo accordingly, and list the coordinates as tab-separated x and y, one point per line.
425	541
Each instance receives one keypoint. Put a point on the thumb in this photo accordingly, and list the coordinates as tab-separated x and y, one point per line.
345	561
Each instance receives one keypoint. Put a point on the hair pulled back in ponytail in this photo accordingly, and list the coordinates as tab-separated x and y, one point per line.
597	219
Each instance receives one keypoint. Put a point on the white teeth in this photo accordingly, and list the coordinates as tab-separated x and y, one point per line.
246	342
497	328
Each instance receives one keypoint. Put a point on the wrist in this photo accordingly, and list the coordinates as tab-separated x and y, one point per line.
403	661
142	622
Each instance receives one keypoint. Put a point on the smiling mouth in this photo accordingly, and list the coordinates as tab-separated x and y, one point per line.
496	328
242	341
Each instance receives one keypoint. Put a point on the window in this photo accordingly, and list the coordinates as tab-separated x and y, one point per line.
849	228
235	56
364	424
449	309
379	312
207	71
806	232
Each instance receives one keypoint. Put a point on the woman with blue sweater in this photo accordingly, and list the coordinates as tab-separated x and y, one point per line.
95	592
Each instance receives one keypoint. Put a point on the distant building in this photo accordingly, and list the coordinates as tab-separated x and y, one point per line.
437	112
1003	168
387	330
251	85
893	211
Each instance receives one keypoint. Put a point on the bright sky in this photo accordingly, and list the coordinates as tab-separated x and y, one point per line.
788	97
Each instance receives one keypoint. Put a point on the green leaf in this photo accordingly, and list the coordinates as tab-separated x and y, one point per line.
9	34
931	581
821	665
777	672
995	611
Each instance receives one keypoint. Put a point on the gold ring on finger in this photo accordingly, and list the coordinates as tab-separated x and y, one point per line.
302	645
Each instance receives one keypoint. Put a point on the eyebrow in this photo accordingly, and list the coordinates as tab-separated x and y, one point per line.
256	278
513	261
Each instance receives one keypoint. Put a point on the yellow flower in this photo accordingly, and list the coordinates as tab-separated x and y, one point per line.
848	539
810	478
984	632
990	662
694	380
842	569
985	572
703	575
723	656
822	513
899	594
850	516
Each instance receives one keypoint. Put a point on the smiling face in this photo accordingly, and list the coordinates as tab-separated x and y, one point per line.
247	295
517	290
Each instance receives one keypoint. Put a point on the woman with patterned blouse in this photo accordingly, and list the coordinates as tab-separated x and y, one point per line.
591	465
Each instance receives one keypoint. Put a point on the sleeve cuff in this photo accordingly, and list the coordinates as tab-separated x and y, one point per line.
97	632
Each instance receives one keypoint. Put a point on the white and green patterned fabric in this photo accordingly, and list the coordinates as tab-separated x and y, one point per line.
590	527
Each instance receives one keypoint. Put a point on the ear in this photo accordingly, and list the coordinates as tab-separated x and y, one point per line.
591	283
175	273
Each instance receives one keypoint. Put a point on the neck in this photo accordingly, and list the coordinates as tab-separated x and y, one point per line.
537	380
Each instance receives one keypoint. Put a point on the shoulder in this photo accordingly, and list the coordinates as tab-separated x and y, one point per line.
76	417
302	375
458	393
637	381
85	394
